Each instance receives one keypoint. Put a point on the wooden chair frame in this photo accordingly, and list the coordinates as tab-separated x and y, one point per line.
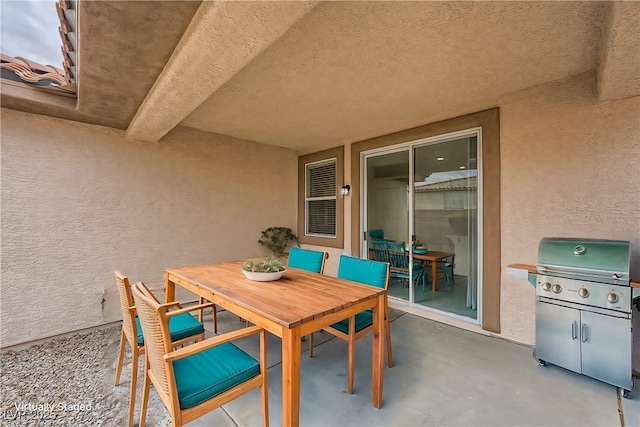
325	256
130	334
214	313
159	364
353	336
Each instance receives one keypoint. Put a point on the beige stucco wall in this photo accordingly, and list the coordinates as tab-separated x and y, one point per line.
569	168
74	196
79	201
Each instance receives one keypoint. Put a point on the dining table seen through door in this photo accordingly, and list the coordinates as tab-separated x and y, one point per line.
433	258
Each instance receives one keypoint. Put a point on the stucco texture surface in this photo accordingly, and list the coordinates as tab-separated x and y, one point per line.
349	71
79	201
569	169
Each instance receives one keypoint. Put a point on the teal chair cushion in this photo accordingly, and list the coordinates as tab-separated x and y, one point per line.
376	234
181	326
368	272
206	374
363	320
306	259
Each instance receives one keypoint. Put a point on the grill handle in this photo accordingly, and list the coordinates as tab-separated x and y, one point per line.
620	278
574	330
583	332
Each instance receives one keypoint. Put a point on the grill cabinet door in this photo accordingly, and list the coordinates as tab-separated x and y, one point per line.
558	335
606	348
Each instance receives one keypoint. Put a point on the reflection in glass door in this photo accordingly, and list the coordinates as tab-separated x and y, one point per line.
386	201
445	222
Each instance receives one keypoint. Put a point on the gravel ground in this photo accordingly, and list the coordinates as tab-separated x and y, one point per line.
69	382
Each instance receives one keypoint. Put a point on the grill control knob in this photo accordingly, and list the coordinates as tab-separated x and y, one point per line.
583	292
612	298
546	286
556	288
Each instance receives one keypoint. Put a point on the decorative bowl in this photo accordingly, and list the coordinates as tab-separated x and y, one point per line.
263	277
420	250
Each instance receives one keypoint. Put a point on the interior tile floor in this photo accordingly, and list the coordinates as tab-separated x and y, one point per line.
442	376
450	297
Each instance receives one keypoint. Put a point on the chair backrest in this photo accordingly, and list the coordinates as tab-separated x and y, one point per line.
157	338
396	246
128	309
398	257
306	259
381	250
368	272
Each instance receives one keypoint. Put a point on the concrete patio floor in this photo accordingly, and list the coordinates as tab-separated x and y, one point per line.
442	376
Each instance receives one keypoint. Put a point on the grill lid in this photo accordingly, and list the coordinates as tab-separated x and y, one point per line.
604	261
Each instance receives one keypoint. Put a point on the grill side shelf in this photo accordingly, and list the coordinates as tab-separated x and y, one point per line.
524	271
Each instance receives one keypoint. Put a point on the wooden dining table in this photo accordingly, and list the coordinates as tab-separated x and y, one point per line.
298	304
433	257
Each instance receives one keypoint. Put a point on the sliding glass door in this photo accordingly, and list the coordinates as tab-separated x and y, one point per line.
424	196
445	212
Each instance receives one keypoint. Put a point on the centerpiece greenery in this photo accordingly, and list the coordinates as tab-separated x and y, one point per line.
263	270
266	265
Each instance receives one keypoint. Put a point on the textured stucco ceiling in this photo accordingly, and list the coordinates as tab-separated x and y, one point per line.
125	46
349	71
312	75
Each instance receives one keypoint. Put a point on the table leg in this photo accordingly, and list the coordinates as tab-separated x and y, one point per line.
291	349
169	289
434	275
378	352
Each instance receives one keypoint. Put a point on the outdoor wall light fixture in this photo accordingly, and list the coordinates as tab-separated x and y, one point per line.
344	191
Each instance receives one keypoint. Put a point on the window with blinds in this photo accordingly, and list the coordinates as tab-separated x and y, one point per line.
321	198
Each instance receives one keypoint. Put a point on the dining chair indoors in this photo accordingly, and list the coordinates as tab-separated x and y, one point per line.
446	268
368	272
183	328
399	261
198	378
381	250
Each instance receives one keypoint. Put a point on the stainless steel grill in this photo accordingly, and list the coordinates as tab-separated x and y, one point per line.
584	308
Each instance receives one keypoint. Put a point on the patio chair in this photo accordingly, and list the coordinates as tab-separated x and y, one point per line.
376	235
183	328
306	259
199	378
399	260
368	272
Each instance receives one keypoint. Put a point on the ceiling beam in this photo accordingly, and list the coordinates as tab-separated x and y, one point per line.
222	38
619	56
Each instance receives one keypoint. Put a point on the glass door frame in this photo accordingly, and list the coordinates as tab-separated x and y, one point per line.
364	244
410	146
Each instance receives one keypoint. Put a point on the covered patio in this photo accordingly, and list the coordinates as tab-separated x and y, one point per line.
186	129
